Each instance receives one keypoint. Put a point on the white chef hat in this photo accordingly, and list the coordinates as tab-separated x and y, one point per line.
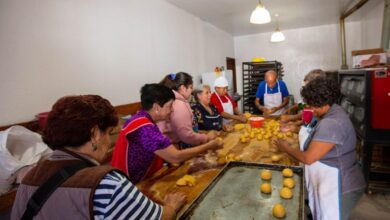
221	82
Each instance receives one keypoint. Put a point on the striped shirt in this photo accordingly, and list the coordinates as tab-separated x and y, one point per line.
117	198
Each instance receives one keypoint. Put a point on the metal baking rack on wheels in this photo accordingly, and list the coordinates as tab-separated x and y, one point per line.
252	74
366	99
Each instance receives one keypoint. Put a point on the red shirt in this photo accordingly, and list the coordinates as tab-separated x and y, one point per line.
215	101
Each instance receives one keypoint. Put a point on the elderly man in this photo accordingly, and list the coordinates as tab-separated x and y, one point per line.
271	95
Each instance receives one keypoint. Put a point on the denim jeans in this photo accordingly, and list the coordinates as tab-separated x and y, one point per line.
349	201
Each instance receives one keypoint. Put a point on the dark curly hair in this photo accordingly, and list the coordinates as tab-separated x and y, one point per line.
320	92
175	80
72	118
155	93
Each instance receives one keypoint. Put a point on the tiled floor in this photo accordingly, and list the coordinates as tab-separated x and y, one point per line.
372	207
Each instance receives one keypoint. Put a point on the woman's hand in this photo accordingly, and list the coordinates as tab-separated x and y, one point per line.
227	128
215	144
242	118
175	201
211	135
281	144
284	118
285	127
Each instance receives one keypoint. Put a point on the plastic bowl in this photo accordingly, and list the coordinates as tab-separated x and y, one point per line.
256	122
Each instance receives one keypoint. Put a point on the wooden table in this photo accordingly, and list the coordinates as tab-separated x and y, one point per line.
164	181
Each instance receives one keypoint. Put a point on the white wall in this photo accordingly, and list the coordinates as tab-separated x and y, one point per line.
52	48
371	23
303	50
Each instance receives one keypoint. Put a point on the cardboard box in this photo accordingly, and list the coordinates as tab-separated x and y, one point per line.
367	51
368	58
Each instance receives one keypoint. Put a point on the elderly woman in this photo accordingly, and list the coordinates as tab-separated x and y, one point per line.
180	126
141	147
225	105
333	177
206	114
72	184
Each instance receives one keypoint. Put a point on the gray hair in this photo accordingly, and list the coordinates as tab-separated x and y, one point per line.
314	74
199	90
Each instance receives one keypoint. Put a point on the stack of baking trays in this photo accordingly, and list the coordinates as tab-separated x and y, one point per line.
235	194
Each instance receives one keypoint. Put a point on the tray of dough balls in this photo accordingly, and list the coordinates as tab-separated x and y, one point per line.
251	191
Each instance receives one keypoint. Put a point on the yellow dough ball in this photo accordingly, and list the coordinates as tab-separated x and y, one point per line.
237	158
287	172
275	158
186	180
247	114
288	182
175	164
238	127
259	137
279	211
286	193
190	180
243	139
279	135
266	188
181	182
266	175
289	134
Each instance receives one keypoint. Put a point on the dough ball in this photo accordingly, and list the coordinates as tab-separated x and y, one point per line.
287	172
266	188
289	182
286	193
279	211
275	158
266	175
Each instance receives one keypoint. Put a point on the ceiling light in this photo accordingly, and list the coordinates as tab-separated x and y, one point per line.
260	15
277	36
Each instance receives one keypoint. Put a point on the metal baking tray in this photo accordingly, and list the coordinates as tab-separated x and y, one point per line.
235	194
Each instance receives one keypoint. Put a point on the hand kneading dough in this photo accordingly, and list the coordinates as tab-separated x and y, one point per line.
286	193
288	182
287	172
279	211
266	188
266	175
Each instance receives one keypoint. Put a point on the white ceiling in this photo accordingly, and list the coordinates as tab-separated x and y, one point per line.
232	16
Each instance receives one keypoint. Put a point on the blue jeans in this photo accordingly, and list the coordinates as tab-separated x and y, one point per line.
349	201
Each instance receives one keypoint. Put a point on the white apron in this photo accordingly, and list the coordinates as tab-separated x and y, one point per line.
273	100
323	185
227	107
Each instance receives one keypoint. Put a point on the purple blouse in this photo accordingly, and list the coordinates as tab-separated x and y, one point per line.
143	142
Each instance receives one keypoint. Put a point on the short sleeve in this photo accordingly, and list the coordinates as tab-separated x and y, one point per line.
283	89
152	139
260	91
117	198
328	131
215	101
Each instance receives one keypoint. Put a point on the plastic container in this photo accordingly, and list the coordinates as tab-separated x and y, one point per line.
256	122
307	115
42	117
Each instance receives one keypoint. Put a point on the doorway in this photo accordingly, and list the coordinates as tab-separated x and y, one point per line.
231	65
